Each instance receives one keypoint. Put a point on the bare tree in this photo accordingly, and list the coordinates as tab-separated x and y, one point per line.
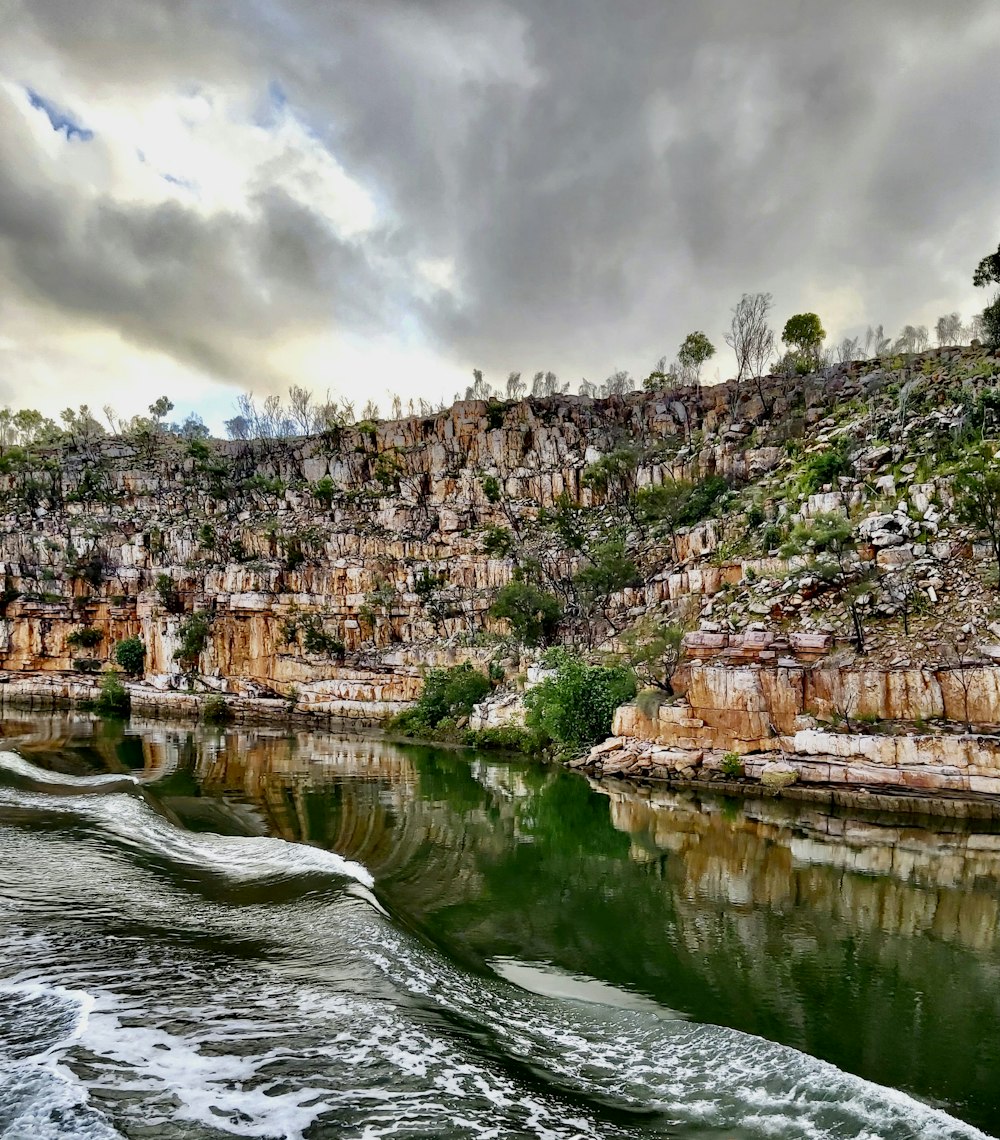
848	349
751	338
617	384
876	342
913	338
960	658
301	409
901	586
948	329
480	388
371	411
515	386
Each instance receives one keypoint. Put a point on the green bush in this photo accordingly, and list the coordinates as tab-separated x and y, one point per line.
447	696
610	570
679	503
86	637
86	665
130	655
114	699
194	637
575	707
732	765
215	710
533	614
169	595
324	490
498	541
824	468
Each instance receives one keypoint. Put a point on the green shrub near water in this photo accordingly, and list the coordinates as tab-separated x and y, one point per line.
114	699
130	655
215	710
575	707
448	695
507	738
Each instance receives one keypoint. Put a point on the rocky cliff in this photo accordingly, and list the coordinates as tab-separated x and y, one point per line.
839	611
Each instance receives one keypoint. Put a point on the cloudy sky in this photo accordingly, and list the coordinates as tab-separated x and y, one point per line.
201	197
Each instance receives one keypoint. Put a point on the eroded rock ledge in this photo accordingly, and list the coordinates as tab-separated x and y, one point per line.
929	730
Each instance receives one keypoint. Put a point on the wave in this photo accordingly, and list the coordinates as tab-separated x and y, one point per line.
24	771
239	859
699	1076
39	1098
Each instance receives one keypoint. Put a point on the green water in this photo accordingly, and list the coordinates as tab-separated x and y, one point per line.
607	912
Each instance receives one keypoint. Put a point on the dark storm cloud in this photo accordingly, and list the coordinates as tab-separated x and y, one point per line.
605	175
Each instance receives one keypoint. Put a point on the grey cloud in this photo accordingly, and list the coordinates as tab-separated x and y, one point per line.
606	176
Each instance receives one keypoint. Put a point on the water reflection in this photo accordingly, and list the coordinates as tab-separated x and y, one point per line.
867	941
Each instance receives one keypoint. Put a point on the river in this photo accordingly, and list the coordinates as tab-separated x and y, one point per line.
211	933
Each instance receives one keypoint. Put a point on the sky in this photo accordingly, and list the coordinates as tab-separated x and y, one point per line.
204	197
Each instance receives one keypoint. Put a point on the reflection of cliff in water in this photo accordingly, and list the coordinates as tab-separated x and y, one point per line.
870	943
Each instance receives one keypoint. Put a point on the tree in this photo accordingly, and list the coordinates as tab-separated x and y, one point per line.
159	408
617	384
804	335
515	386
876	342
695	349
977	499
533	614
913	338
575	707
948	329
652	647
988	273
130	655
751	337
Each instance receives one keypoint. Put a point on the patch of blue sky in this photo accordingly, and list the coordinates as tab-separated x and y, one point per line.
59	119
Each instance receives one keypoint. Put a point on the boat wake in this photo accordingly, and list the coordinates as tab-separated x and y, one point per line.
129	1002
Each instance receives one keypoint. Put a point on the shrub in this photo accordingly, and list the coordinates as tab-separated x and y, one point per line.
491	488
130	655
448	695
533	614
324	490
114	699
679	503
86	665
169	595
732	765
215	710
824	468
193	633
827	532
86	637
498	541
610	570
575	707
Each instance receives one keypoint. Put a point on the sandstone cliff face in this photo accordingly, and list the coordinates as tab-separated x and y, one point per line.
369	537
771	717
341	566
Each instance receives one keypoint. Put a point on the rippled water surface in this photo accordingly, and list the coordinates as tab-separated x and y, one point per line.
209	934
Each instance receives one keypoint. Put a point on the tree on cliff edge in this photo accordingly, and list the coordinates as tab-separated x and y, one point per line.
988	273
804	335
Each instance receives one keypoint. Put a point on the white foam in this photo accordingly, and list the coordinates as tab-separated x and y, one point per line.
39	1098
236	857
44	778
